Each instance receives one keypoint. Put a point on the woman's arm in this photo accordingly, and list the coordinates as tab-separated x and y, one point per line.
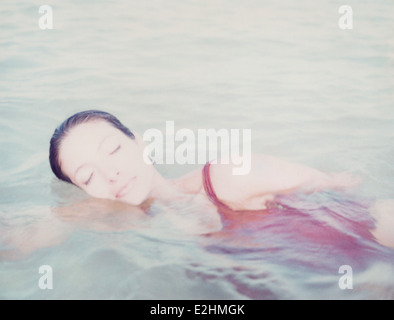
270	176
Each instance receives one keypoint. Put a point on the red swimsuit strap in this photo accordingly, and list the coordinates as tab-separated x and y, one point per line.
223	208
206	179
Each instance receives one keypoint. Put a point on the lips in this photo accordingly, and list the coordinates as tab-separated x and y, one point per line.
125	189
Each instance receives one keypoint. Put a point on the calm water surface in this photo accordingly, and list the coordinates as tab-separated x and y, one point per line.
310	92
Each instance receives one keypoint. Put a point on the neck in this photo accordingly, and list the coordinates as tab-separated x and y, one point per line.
162	189
170	190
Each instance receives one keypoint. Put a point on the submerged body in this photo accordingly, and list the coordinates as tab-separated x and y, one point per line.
341	224
95	152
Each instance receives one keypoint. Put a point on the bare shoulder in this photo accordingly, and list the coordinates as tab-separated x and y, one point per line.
249	182
235	186
190	182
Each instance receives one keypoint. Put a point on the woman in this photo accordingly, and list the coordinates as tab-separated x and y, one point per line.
96	152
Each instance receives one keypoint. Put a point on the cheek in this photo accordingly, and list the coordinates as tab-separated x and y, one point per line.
144	185
98	188
131	160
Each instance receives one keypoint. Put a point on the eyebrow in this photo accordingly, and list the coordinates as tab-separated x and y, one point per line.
98	148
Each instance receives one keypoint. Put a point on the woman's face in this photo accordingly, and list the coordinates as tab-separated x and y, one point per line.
106	163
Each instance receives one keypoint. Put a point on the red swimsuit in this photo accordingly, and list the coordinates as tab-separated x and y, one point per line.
303	221
206	180
230	217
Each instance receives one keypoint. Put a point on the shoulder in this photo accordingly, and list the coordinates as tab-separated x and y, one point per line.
190	182
240	181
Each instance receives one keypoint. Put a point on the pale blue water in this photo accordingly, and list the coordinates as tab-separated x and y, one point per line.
310	92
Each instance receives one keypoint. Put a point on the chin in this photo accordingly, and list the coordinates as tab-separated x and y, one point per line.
135	199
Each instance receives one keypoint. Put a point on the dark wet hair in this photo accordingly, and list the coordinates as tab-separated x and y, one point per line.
76	119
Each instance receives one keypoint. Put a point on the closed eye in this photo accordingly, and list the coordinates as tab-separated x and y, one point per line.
117	148
88	181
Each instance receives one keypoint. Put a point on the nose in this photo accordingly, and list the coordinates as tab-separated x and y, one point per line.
113	175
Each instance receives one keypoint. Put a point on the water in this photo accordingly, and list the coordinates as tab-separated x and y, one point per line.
310	92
